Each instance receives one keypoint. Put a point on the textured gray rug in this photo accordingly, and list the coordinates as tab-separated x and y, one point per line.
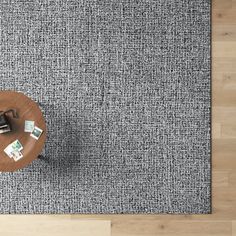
125	88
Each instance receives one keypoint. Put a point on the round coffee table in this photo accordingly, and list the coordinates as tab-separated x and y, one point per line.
26	110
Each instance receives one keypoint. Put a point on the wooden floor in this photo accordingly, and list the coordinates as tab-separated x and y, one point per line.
223	220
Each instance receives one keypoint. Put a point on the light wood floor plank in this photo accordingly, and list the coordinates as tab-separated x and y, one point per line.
234	228
169	228
224	114
224	15
220	178
52	226
224	32
222	4
226	48
222	65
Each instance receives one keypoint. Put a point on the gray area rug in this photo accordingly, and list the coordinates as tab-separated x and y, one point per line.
125	89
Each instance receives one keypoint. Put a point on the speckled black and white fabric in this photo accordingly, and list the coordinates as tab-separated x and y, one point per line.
125	89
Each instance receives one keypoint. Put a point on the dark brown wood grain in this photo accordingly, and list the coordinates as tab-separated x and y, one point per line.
26	109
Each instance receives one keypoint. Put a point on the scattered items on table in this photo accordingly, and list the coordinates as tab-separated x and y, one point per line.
13	150
36	133
29	126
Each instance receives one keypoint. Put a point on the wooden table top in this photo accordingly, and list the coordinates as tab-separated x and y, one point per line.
26	110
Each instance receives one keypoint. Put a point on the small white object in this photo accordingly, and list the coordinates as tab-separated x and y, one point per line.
17	155
8	150
29	126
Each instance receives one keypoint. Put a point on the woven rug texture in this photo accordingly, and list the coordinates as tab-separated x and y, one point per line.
125	90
